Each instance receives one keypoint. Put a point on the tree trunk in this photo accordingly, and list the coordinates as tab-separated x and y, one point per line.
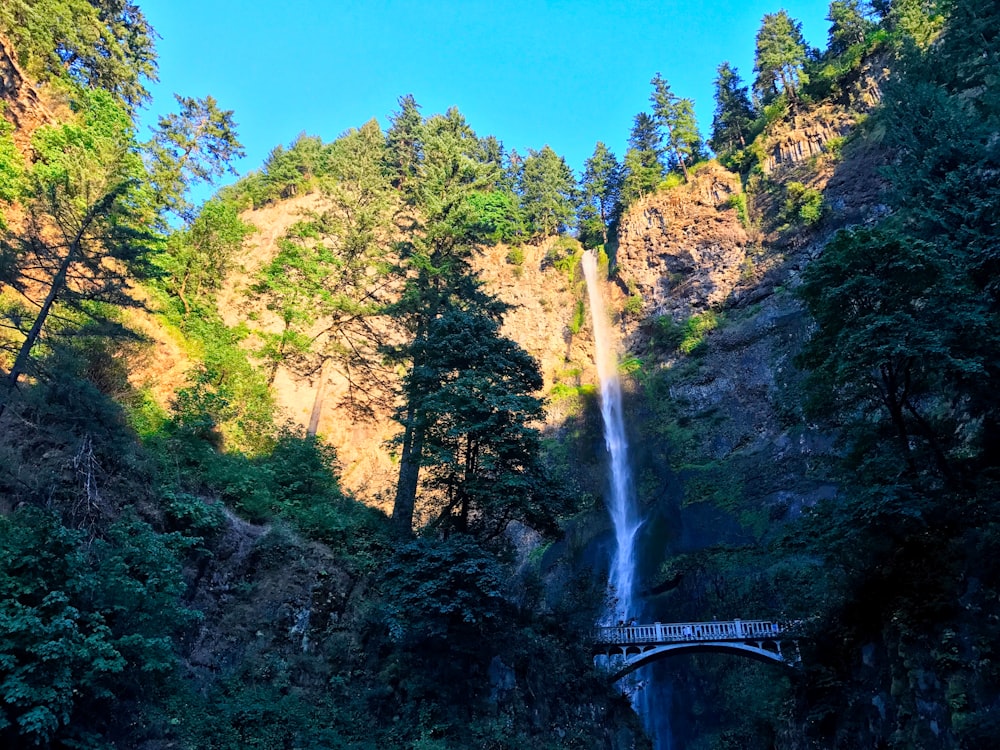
409	474
677	152
891	399
21	362
317	409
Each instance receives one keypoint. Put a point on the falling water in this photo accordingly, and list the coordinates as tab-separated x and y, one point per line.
621	505
621	502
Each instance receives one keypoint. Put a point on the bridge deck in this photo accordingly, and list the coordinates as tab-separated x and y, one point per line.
689	632
631	646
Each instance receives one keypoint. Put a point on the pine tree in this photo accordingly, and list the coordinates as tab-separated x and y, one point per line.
780	58
482	452
601	196
195	145
106	44
643	170
87	223
676	116
405	139
436	276
548	192
734	113
848	26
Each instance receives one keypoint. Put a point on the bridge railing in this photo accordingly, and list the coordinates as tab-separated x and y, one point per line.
685	632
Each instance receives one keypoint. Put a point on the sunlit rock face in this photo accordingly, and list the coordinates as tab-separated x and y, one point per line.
682	250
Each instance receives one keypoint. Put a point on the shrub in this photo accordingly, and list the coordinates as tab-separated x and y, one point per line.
803	204
666	334
579	316
633	306
695	329
739	202
672	180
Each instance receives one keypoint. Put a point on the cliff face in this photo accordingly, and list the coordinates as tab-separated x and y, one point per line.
689	250
682	250
806	136
23	105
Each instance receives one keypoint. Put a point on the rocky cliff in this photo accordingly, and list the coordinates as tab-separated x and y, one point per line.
683	250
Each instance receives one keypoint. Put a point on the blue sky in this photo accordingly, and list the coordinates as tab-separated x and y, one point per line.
566	73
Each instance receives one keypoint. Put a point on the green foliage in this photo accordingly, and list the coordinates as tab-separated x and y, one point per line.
671	181
601	187
564	255
780	58
84	624
734	113
100	44
739	202
548	193
904	343
195	259
480	451
579	317
443	587
642	170
695	329
515	256
195	145
633	306
666	333
630	365
88	228
287	171
405	142
11	167
675	115
228	397
802	204
848	26
497	217
566	391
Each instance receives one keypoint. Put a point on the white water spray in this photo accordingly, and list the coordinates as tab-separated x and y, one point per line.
621	502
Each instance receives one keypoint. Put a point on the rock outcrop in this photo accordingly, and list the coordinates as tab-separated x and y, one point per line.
805	137
682	249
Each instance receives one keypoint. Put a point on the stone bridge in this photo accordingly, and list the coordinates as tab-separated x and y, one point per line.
629	647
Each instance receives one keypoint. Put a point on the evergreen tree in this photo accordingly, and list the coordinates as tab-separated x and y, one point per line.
548	192
919	21
87	222
676	116
405	138
643	170
601	196
195	145
482	452
436	277
780	58
734	113
848	26
330	275
105	44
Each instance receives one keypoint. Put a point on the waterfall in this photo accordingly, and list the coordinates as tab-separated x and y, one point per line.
621	500
621	506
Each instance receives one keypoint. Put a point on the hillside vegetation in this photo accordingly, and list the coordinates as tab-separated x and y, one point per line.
811	324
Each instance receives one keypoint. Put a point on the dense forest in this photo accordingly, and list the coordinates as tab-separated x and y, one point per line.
184	566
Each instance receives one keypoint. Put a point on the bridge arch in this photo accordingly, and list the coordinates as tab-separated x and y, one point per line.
629	647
